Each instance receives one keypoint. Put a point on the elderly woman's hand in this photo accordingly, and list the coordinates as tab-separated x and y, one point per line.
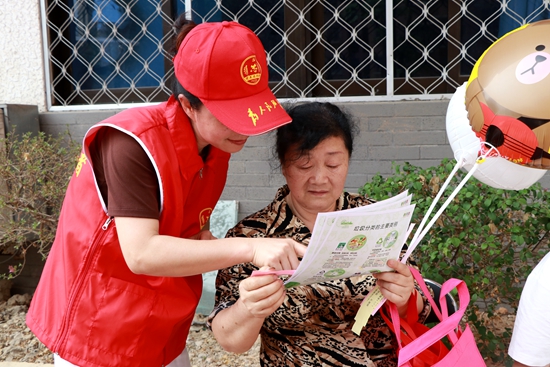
397	286
260	296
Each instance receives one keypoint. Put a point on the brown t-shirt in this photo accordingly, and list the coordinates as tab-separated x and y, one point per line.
125	175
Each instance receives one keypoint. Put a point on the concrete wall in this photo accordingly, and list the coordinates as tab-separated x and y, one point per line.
21	57
412	131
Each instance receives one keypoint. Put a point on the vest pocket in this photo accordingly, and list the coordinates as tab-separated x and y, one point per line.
120	319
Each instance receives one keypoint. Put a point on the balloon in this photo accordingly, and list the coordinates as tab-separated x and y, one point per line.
495	171
508	95
504	110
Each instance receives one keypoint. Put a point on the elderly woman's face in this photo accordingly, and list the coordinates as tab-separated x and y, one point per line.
316	180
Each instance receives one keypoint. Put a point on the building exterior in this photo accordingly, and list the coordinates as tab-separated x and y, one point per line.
394	64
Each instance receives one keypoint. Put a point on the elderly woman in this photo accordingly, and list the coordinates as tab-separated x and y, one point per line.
308	325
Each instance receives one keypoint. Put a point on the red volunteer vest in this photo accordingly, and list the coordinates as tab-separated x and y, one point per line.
89	307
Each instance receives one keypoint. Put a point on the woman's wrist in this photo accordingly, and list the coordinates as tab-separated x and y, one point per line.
403	308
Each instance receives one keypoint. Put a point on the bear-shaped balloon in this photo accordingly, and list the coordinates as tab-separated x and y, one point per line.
508	95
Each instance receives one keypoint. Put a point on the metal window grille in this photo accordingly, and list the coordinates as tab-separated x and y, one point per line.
118	51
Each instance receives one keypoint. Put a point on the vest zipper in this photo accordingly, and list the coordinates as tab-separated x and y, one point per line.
200	173
106	224
77	290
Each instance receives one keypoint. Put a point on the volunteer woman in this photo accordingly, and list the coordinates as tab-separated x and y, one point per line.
123	277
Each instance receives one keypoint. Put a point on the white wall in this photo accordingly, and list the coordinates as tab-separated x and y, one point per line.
21	60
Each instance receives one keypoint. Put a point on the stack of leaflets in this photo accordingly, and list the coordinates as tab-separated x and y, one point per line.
354	241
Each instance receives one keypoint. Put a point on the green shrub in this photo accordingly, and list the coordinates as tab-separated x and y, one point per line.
490	238
34	174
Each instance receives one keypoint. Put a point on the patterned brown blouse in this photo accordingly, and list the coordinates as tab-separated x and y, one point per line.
313	325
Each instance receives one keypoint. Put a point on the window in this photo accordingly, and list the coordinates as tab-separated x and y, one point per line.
118	51
108	51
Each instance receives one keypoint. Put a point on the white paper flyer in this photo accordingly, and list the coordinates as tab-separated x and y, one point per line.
355	241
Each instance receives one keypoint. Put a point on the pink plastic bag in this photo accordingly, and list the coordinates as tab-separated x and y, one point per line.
464	351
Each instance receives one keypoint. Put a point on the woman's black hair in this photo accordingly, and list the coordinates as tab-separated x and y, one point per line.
182	26
178	89
312	123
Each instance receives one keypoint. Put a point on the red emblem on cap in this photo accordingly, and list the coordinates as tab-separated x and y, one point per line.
251	71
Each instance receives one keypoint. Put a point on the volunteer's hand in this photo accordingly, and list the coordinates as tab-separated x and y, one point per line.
279	254
261	295
396	286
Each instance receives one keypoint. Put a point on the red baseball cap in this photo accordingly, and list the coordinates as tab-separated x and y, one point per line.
224	65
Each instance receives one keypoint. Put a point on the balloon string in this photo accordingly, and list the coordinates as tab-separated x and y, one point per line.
421	231
484	152
457	166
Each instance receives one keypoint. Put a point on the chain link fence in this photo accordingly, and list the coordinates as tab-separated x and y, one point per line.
118	51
